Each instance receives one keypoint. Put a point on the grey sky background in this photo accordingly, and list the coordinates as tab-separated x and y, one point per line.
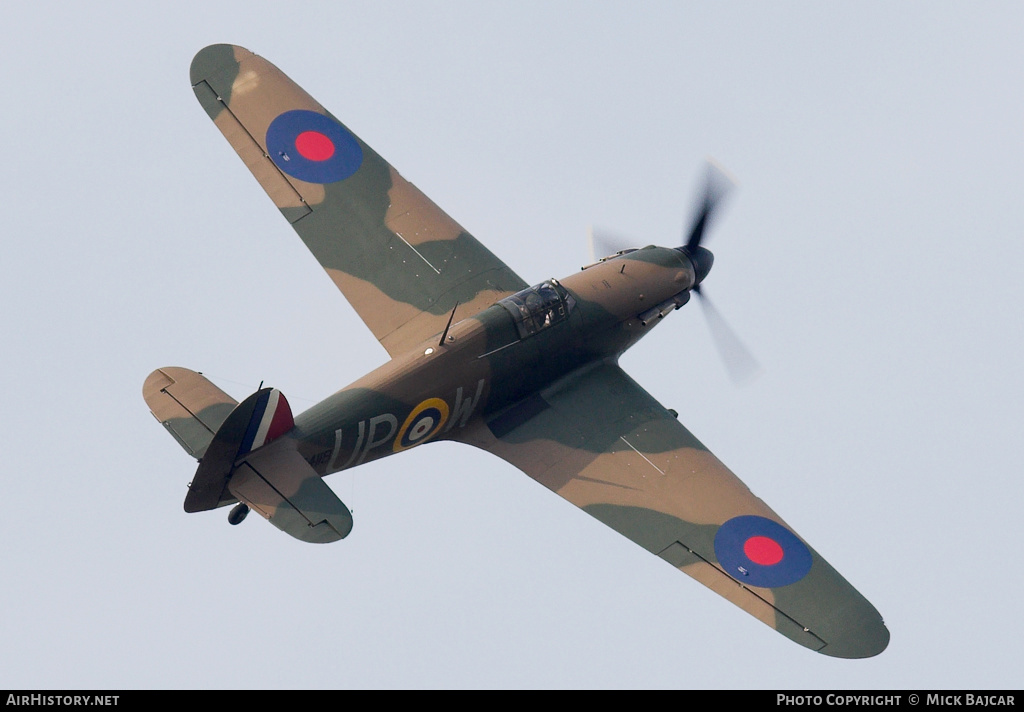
870	257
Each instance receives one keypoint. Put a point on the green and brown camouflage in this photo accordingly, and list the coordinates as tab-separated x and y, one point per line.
354	227
190	407
529	374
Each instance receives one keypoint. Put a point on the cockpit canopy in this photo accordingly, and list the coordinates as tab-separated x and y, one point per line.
539	307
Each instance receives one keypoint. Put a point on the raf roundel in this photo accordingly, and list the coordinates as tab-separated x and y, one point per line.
313	147
423	423
761	552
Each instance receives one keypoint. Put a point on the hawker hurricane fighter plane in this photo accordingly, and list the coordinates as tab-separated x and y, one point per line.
478	356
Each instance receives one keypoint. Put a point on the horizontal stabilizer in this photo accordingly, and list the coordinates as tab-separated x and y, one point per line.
188	405
281	486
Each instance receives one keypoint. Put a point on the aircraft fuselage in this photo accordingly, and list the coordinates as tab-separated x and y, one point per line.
495	359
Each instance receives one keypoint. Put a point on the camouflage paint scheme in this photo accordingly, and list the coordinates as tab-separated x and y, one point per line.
533	378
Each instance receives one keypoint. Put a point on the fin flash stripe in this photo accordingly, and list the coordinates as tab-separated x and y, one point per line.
271	418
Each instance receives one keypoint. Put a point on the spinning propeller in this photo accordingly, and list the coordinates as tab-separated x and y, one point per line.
739	362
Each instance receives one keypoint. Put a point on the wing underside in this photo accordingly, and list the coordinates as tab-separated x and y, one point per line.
603	443
401	262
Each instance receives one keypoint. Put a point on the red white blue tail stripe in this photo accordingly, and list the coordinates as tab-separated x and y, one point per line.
271	418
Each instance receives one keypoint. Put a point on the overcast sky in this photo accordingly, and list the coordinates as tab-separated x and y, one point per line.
871	257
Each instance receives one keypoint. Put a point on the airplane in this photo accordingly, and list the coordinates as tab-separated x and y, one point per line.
478	356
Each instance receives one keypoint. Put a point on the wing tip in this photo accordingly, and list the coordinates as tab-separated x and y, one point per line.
214	59
867	642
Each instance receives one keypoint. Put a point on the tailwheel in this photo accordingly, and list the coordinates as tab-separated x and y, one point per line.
238	513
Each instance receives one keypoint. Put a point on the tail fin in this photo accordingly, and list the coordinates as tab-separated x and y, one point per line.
277	483
188	405
271	417
259	419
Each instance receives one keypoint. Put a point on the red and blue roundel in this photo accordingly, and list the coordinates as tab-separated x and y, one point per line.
760	552
313	147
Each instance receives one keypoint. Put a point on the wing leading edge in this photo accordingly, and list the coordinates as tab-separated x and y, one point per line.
603	443
401	262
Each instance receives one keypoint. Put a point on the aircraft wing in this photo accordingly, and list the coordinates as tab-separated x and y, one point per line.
603	443
401	262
